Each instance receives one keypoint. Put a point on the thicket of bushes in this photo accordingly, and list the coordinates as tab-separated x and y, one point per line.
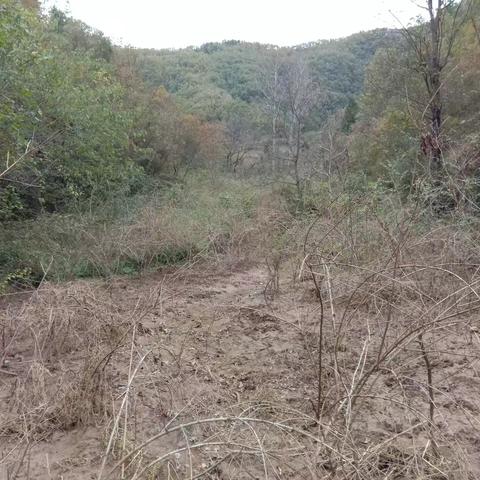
76	122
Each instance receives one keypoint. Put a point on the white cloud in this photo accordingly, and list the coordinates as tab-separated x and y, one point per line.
179	23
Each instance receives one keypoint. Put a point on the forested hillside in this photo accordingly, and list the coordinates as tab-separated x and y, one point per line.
85	123
215	78
238	260
82	118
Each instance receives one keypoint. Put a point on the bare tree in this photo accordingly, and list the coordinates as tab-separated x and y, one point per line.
298	96
239	141
269	81
432	42
330	149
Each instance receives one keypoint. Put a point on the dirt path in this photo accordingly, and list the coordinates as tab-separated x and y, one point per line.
212	345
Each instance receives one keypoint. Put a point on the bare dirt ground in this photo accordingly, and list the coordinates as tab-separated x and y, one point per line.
207	343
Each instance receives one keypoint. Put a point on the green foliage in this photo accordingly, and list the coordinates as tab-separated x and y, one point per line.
387	148
350	116
91	125
20	278
209	78
165	225
11	205
393	121
79	37
62	111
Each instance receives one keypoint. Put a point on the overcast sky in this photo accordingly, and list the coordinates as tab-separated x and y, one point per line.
180	23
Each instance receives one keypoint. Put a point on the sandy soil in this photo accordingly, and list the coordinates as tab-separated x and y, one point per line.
214	345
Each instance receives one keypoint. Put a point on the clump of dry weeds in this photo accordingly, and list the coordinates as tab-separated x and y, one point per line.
397	308
57	362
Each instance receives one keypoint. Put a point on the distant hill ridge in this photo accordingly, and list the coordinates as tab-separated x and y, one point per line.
210	78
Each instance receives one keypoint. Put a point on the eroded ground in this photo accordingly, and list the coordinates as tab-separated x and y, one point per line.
215	344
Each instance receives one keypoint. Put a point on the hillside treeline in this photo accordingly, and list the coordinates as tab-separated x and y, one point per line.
82	119
76	121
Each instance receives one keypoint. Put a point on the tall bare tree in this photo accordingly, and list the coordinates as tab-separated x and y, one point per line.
270	87
330	150
298	97
432	42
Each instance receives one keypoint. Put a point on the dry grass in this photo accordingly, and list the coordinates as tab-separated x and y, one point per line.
382	316
389	312
60	347
169	226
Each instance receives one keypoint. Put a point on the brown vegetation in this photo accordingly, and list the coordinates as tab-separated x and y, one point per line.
191	373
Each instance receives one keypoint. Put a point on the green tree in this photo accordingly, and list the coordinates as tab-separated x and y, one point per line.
62	113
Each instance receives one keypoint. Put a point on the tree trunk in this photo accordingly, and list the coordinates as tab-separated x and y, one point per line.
436	128
477	31
434	85
296	159
274	123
